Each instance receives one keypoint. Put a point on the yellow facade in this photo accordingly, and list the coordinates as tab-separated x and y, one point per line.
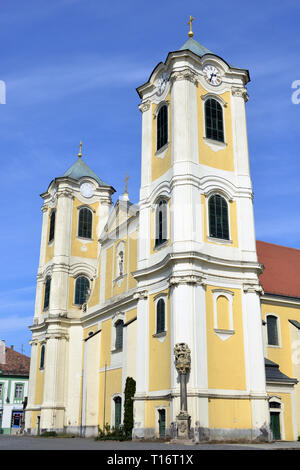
159	351
223	158
159	166
225	413
225	359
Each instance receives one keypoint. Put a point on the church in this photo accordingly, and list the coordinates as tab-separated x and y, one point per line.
120	287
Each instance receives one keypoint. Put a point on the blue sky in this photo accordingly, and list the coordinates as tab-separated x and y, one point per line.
71	68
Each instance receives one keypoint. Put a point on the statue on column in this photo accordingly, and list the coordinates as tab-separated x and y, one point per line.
183	365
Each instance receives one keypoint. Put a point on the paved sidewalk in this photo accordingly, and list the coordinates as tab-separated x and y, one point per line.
76	443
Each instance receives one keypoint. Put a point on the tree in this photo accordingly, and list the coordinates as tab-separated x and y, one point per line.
128	406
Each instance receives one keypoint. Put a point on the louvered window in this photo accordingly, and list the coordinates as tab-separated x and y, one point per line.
82	285
162	127
160	316
119	334
85	223
52	226
272	330
218	217
214	120
161	222
47	293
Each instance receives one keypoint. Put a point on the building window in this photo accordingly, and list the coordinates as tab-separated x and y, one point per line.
52	226
82	286
119	334
42	358
47	293
272	330
162	127
218	217
214	120
160	316
161	222
19	392
85	223
118	411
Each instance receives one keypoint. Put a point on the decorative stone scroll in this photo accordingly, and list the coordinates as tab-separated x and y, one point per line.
144	106
240	92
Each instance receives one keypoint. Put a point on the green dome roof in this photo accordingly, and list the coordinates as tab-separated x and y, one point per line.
195	47
79	169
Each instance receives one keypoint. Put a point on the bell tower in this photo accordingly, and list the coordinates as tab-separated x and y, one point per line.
195	158
75	209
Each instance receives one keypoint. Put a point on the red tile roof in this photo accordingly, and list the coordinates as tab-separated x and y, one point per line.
15	363
281	274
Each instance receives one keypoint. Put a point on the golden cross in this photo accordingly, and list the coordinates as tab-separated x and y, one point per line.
190	33
80	149
126	179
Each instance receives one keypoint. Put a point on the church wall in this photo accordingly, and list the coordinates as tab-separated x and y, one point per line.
110	385
229	413
132	265
288	426
159	347
152	415
281	354
161	160
225	357
223	158
39	390
109	272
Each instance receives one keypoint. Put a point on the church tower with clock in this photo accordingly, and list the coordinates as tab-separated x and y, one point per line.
122	288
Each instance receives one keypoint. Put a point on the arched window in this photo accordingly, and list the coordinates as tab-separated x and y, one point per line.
272	330
52	226
218	217
162	127
42	359
118	411
47	293
82	285
160	316
119	334
85	223
214	120
161	222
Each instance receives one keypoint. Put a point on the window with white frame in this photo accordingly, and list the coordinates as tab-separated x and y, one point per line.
19	391
161	223
272	330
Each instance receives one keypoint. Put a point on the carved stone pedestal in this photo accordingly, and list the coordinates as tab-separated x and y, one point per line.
183	426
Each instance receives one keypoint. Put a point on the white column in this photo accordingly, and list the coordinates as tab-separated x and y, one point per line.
31	384
142	366
44	235
254	358
147	122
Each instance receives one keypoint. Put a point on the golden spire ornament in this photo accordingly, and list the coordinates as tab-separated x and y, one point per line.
190	33
126	179
80	150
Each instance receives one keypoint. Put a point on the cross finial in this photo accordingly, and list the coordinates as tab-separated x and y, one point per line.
190	33
126	179
80	150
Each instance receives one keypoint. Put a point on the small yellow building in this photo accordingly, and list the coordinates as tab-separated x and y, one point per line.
119	286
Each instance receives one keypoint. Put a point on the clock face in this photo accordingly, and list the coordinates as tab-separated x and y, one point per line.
162	82
212	75
87	189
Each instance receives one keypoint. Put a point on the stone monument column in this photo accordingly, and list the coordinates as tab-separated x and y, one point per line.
183	366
